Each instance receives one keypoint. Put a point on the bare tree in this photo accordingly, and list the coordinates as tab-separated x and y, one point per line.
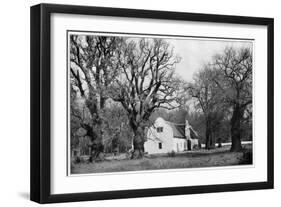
234	78
208	100
93	66
147	82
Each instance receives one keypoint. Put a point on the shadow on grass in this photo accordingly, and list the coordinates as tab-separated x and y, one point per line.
191	159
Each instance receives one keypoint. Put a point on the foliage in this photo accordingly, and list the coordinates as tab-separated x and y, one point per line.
118	134
93	68
234	77
147	81
137	73
208	101
223	94
119	86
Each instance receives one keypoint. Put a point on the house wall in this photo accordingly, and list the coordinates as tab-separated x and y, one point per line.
179	145
194	142
169	144
151	146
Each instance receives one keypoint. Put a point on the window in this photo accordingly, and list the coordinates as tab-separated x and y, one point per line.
160	145
159	129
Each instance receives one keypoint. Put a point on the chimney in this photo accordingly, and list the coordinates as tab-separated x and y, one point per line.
187	130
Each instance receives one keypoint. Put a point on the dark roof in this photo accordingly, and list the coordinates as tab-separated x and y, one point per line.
193	133
179	131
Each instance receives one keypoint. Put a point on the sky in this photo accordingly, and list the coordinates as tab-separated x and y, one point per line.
195	52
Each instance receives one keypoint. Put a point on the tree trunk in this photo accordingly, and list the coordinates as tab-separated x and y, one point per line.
208	134
209	144
97	147
138	149
95	104
138	141
236	129
219	143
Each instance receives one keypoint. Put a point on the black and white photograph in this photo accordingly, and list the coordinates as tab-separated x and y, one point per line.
134	103
143	102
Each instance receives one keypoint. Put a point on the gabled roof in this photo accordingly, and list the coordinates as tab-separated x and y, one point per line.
193	133
179	131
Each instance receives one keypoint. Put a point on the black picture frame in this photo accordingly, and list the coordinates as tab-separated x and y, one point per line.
41	99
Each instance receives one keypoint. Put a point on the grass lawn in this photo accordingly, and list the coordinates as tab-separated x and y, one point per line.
190	159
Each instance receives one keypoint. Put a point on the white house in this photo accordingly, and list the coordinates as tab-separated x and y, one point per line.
165	136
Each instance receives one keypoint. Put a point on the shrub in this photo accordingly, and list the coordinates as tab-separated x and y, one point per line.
195	147
77	159
171	154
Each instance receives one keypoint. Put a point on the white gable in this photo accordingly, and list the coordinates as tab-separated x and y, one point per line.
164	137
155	137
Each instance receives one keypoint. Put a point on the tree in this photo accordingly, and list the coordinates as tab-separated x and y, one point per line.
147	82
93	66
208	100
75	119
118	133
177	115
234	78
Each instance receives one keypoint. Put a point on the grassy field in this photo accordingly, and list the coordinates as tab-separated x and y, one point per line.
190	159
